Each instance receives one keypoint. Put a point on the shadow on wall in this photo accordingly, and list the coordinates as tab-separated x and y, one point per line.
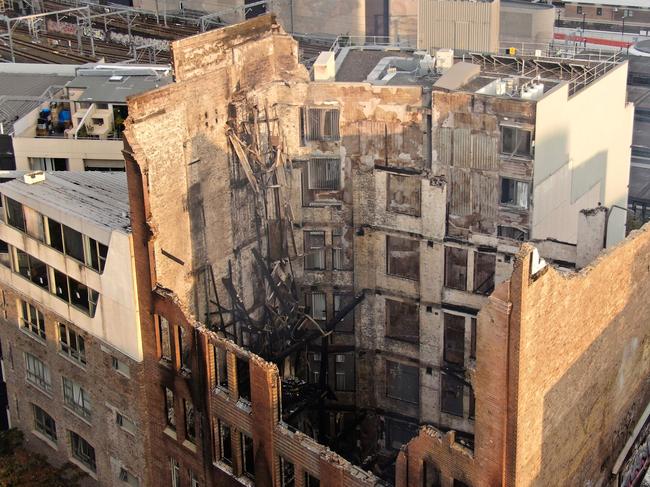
591	410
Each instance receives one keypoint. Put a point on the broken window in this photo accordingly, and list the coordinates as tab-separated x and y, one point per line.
456	268
324	173
61	285
344	370
320	124
248	461
430	475
514	193
31	268
15	216
451	401
317	304
341	251
220	357
512	232
83	297
164	341
403	194
454	339
341	301
170	415
484	267
190	426
516	141
314	250
403	257
243	379
287	473
402	320
402	382
225	442
399	433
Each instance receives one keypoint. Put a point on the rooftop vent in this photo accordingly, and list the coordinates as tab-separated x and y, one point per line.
34	177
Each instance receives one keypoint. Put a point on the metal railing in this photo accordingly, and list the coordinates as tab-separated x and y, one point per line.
594	72
368	41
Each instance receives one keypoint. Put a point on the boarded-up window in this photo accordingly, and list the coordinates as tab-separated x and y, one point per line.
320	124
340	302
456	268
314	250
344	371
342	250
452	395
516	141
454	340
402	320
402	382
403	194
399	433
484	265
403	257
514	193
324	173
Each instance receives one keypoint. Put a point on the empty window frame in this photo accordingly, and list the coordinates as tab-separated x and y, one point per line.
317	305
44	423
184	348
344	372
170	413
287	473
454	340
314	250
402	320
15	215
82	297
248	459
324	173
225	442
31	319
516	141
430	475
190	424
403	194
164	339
402	382
403	257
456	268
243	379
599	11
398	433
83	451
37	373
220	357
320	124
76	398
31	268
311	481
72	344
514	193
579	10
341	300
484	268
512	233
341	252
451	401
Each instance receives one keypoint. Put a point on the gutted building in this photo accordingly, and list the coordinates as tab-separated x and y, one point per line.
314	253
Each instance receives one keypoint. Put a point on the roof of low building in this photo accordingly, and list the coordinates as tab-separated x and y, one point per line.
100	198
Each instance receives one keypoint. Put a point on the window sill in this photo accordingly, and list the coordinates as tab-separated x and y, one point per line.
247	480
403	340
410	279
516	157
165	362
244	405
513	208
40	389
189	445
76	414
36	338
170	432
223	466
45	439
67	357
84	467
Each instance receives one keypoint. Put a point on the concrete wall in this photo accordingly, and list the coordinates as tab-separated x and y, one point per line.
580	162
526	23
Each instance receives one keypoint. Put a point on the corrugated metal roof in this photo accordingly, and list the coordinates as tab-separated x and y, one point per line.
107	86
97	197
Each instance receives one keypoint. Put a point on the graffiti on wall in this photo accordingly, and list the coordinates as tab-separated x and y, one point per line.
123	39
